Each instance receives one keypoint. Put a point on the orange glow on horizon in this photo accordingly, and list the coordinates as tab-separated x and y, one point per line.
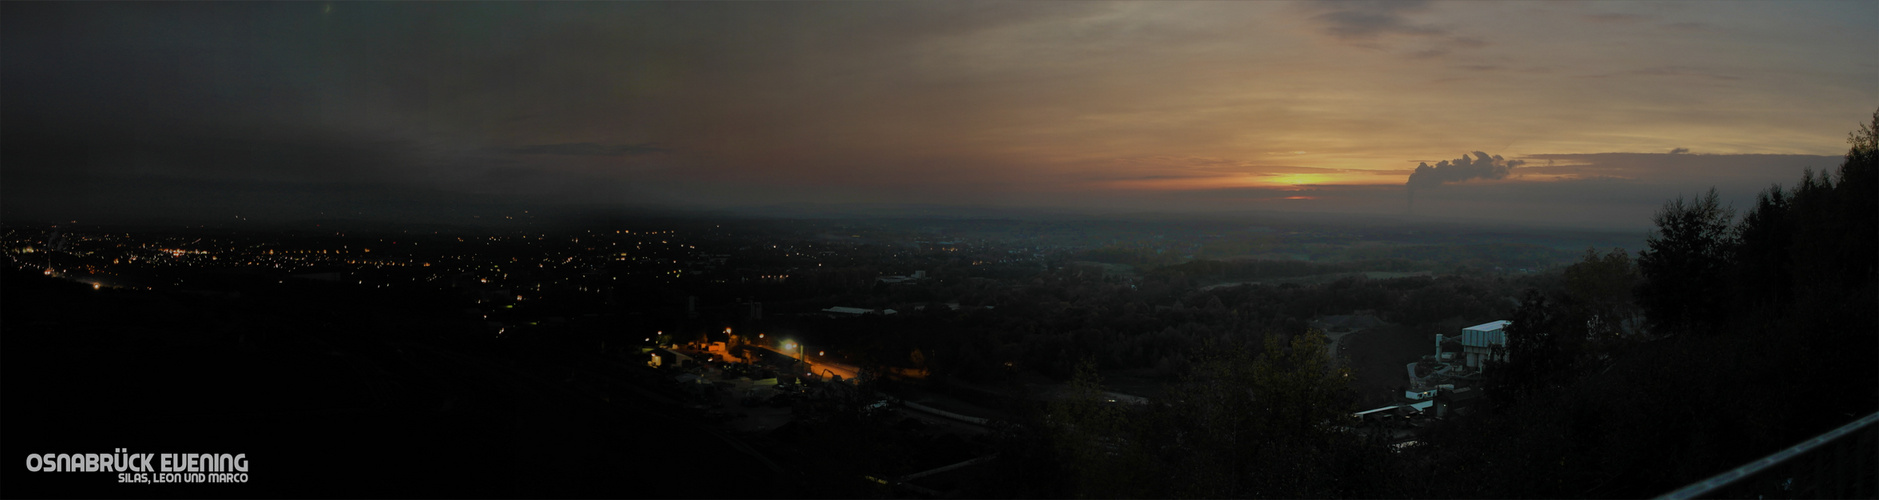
1303	179
1288	180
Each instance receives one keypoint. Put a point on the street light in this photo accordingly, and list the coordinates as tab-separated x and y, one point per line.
801	358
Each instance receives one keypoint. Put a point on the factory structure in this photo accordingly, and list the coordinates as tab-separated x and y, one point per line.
1443	382
1478	342
1477	347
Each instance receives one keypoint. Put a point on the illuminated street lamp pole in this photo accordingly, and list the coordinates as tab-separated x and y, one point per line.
799	348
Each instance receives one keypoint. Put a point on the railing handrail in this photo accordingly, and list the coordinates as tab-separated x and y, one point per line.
1726	478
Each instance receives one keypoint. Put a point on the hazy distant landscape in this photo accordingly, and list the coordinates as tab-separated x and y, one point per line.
988	249
956	345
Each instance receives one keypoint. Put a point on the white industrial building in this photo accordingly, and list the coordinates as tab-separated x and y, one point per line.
1477	342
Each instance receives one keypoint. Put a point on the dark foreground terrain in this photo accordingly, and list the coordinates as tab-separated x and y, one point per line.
328	396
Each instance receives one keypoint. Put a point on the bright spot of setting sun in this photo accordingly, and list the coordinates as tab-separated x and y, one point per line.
1301	179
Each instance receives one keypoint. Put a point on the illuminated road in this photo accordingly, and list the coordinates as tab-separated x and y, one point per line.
821	365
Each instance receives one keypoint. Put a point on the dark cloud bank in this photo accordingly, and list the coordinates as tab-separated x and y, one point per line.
1482	166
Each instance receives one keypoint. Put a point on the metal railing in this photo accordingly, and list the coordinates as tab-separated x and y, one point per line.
1843	463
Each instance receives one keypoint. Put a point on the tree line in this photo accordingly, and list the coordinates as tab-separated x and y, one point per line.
1724	340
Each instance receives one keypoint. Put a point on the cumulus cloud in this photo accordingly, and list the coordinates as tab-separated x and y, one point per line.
1482	166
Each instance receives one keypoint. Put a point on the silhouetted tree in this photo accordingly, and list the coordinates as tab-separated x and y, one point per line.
1764	263
1683	265
1811	250
1785	303
1545	342
1836	225
1598	288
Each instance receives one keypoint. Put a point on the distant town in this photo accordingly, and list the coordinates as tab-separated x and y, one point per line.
763	330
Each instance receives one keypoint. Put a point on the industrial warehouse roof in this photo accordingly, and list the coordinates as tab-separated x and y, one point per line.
1486	334
1490	326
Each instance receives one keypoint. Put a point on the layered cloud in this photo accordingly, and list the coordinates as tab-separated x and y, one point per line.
1373	24
583	149
1055	103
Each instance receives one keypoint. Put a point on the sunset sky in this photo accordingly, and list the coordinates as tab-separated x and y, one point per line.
1599	111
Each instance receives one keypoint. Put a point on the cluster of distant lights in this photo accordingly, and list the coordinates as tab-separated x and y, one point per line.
332	256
